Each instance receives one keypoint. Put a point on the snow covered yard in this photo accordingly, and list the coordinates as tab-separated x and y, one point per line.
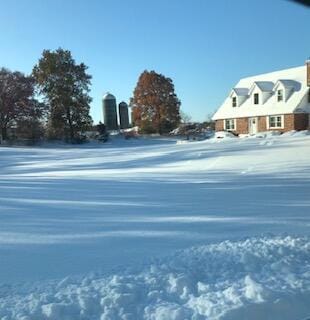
152	229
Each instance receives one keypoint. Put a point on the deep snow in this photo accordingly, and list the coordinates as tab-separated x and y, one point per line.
81	227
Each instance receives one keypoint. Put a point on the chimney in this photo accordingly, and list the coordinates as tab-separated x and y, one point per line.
308	71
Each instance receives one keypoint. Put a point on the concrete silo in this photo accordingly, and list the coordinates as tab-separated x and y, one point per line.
123	115
109	111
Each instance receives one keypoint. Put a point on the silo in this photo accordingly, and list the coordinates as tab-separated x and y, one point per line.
109	111
123	115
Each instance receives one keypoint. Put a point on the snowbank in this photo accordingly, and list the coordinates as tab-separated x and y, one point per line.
223	134
263	276
269	134
295	133
182	141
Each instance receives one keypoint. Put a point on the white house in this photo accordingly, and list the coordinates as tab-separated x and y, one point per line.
272	101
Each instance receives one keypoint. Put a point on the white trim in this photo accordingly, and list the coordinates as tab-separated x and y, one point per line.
235	124
258	99
276	115
232	102
253	86
280	95
250	125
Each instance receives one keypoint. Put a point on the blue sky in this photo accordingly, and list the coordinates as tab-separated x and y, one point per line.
205	46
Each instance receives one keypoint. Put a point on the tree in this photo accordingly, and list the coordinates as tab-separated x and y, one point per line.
185	118
31	126
17	100
65	87
209	123
155	106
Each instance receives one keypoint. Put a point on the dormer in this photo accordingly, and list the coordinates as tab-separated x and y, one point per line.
283	89
238	96
261	91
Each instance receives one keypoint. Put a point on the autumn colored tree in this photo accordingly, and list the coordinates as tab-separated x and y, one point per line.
17	102
64	85
155	106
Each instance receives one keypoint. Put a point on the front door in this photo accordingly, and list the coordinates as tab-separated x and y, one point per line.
252	125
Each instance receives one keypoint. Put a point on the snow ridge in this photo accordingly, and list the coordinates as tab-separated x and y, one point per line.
256	278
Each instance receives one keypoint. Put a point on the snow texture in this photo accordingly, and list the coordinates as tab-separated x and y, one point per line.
264	278
153	229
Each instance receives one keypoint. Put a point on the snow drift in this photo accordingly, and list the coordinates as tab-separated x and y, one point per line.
257	278
81	226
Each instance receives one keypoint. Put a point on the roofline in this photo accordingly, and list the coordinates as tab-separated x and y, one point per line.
239	95
255	84
268	73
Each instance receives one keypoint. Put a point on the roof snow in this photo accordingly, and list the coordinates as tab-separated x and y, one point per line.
293	79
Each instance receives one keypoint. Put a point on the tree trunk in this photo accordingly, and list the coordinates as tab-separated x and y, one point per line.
158	122
71	130
4	133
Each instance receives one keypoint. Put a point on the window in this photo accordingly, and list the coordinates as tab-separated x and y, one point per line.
280	95
309	96
256	98
234	101
275	122
230	124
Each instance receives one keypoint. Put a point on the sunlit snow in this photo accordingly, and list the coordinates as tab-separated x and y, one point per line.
155	229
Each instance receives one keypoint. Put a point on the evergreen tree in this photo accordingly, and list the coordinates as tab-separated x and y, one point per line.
17	101
65	87
155	106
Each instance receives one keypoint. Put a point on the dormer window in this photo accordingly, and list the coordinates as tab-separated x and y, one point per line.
280	95
256	98
234	102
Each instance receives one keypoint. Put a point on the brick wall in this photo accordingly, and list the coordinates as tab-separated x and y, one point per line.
242	125
219	125
262	124
298	121
301	121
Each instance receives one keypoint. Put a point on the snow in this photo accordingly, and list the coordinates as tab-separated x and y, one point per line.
224	134
217	281
155	229
291	78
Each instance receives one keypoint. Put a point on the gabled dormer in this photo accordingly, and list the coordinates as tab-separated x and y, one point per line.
261	91
238	96
284	89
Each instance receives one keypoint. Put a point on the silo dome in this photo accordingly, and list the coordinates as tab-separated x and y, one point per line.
108	96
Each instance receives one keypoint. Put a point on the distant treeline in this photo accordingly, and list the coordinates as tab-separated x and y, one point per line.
53	102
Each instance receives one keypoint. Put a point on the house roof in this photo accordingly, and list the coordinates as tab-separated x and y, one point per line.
266	86
241	91
290	78
288	84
